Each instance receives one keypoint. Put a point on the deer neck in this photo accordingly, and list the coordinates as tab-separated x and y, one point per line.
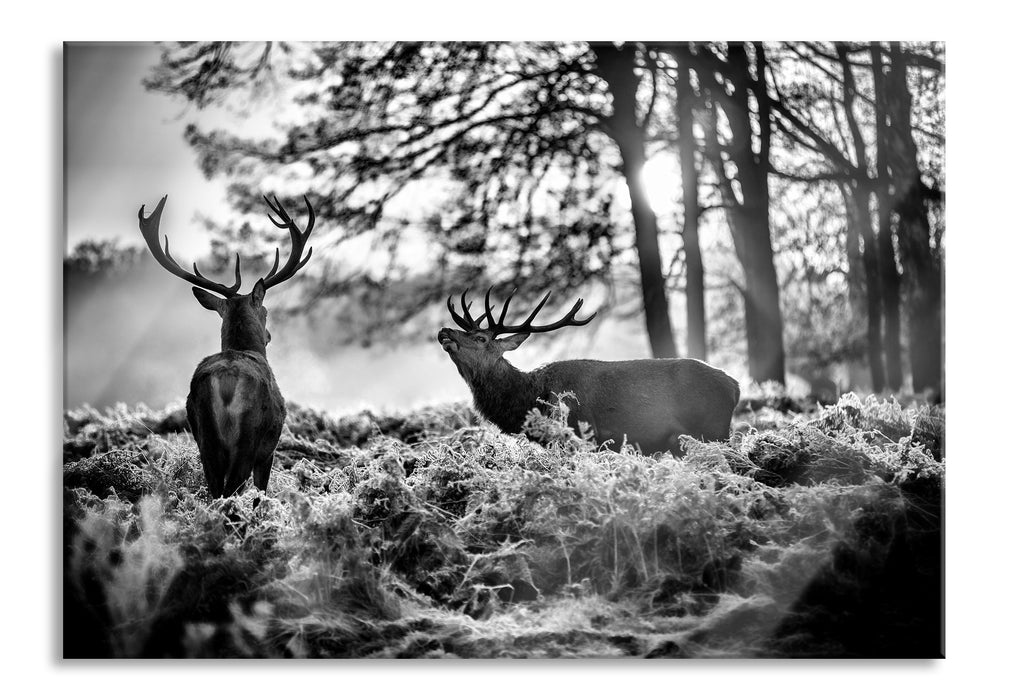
243	334
503	394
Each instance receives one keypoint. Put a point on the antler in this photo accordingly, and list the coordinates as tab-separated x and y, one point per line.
149	230
298	240
498	327
466	321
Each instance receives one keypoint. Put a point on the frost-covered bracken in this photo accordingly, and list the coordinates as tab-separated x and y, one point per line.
432	533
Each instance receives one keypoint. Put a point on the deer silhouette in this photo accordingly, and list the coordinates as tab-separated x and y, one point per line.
235	409
648	403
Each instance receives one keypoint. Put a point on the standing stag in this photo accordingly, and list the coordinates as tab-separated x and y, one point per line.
647	403
235	408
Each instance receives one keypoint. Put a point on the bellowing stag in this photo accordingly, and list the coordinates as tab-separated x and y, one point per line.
235	408
647	403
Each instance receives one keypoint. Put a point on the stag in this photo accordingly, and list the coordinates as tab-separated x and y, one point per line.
235	408
646	403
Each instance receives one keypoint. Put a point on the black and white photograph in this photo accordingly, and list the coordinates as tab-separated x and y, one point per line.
503	350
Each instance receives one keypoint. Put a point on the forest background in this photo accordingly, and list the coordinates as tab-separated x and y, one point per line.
776	207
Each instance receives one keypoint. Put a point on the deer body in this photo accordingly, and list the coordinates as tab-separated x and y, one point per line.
235	409
648	403
236	413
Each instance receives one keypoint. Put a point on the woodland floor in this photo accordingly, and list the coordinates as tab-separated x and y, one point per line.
813	532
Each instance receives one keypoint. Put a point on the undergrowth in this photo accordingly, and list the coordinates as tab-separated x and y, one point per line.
813	531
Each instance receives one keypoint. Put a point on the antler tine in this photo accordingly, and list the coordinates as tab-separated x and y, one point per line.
487	308
504	309
298	239
285	219
276	264
465	309
311	216
279	210
481	317
238	270
527	326
149	229
568	320
465	321
498	326
535	311
459	320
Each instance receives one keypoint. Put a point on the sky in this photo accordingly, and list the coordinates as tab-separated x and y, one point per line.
124	147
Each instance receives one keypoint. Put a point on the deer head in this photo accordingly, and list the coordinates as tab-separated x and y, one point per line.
476	349
243	316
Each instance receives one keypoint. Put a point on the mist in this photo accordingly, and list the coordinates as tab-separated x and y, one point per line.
136	336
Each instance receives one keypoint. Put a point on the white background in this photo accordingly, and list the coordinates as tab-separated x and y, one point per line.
32	337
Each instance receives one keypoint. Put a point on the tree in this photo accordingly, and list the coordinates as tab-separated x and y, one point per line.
825	160
888	274
857	192
686	145
920	251
616	65
748	210
533	137
828	116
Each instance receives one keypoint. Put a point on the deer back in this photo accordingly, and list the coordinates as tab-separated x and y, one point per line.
648	403
236	413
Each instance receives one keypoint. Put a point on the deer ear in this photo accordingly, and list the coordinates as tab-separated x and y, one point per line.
512	341
258	292
208	300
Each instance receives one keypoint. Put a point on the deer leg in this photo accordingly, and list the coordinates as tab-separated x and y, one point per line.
245	454
215	460
213	456
238	472
261	472
674	445
264	458
674	440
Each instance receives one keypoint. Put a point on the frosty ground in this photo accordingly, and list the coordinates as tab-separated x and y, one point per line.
814	531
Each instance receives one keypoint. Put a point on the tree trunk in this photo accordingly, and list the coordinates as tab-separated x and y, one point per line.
750	218
763	311
889	278
857	283
861	221
863	270
687	147
856	271
616	66
922	268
